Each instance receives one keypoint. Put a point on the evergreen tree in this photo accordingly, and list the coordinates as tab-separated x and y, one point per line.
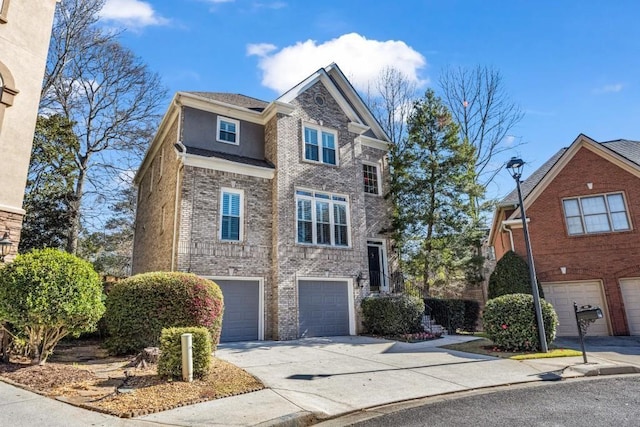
431	181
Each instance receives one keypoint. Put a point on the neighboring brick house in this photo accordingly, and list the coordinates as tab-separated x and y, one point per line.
583	208
281	203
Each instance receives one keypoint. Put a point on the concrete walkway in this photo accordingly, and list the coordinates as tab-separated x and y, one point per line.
319	378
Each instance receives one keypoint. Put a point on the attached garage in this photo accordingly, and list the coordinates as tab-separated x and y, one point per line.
630	289
562	295
325	308
243	312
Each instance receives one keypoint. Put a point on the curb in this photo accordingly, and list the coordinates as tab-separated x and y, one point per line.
297	419
592	371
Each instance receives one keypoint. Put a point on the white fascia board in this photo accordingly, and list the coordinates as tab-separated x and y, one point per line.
514	223
223	165
357	128
12	209
374	143
222	108
165	125
276	107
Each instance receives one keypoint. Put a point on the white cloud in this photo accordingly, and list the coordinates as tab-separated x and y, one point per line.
260	49
610	88
359	58
131	13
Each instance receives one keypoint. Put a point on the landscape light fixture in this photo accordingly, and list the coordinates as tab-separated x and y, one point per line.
5	246
515	166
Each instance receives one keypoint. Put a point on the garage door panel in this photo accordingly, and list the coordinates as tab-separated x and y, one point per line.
562	295
630	289
240	321
323	308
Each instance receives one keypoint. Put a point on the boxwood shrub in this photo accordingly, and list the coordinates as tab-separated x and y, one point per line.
170	362
392	315
510	322
138	308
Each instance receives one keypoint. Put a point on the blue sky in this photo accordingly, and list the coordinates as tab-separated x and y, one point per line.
572	66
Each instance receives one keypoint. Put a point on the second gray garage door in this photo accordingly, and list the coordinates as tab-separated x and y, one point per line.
241	310
323	308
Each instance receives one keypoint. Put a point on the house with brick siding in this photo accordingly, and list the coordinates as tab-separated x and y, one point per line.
583	213
281	203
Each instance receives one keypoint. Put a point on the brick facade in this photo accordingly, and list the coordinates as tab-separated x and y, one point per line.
269	249
605	256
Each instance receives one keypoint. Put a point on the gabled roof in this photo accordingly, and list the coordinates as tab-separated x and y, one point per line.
234	99
623	153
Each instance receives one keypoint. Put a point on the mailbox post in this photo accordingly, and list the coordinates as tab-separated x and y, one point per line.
585	315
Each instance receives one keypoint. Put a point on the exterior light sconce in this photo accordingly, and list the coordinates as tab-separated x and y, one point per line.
590	185
5	246
563	270
359	279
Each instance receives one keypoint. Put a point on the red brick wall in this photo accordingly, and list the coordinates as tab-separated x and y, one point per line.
606	256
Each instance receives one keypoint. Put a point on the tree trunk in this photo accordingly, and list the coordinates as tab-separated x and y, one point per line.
74	208
5	342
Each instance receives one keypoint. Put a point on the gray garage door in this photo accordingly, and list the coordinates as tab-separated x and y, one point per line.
324	308
241	310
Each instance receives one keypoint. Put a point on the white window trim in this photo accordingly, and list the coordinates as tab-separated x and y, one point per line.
151	173
314	223
161	163
378	166
241	233
584	227
320	129
227	119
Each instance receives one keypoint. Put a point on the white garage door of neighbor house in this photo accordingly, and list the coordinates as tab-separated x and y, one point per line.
561	295
630	289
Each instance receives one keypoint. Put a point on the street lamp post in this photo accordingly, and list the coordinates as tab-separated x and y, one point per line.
515	166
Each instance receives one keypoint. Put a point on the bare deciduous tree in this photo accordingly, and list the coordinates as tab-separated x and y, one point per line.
484	112
109	95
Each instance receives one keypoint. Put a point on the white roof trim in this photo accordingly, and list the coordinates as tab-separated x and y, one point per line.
223	165
582	141
373	142
358	128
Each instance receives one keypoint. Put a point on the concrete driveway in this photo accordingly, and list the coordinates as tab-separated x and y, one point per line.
617	349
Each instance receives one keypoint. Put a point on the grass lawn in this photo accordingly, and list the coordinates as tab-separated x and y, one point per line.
485	346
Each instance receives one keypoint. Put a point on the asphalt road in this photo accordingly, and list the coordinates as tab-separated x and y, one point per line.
603	401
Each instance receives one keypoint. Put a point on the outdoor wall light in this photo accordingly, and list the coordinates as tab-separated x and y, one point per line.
515	166
359	279
5	246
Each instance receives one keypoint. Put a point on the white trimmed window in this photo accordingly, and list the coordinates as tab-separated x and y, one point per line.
596	214
228	130
322	218
371	178
231	214
320	145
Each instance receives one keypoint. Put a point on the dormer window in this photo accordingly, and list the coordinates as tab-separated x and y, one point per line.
320	145
228	130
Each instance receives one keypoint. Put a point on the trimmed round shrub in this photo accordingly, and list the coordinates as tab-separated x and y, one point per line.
170	362
511	276
392	315
510	322
47	294
138	308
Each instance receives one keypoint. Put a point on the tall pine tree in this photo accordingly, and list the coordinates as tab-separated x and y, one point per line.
431	182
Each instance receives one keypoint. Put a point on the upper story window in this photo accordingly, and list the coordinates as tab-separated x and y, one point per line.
320	145
228	130
371	178
232	214
596	214
322	218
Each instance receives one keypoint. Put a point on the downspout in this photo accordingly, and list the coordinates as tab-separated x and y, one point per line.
503	227
180	158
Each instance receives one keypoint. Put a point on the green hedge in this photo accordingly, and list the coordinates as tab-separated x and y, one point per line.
454	314
138	308
392	315
510	322
170	362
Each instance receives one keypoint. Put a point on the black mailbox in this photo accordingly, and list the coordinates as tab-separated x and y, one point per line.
587	312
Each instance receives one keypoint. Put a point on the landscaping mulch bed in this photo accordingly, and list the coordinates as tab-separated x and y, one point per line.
85	375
